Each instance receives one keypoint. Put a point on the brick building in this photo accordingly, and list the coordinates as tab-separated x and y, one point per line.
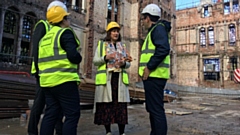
89	19
207	49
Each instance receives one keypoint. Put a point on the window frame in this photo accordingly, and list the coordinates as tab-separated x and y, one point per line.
27	27
210	28
206	11
226	7
10	20
235	6
111	11
214	73
202	39
231	27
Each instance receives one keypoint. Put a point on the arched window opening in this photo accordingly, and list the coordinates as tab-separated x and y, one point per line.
232	34
112	6
211	36
27	27
226	7
235	6
202	37
10	33
28	21
10	23
206	11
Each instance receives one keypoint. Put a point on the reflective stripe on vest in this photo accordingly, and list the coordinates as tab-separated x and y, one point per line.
54	67
101	75
47	28
148	49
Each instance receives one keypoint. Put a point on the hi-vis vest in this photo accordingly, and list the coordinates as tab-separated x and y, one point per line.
148	49
101	76
54	67
47	27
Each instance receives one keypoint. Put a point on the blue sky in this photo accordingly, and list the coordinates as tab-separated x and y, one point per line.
180	4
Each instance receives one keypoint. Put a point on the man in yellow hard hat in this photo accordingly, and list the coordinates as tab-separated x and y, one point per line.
154	66
40	29
58	61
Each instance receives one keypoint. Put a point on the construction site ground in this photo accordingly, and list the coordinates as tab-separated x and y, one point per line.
188	115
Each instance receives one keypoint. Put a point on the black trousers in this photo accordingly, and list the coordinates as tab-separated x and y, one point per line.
36	111
63	97
154	94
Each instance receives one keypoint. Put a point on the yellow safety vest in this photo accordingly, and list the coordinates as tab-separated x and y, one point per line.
101	76
148	49
54	67
47	27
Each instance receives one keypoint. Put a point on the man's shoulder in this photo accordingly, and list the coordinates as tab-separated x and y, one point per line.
41	22
165	24
40	25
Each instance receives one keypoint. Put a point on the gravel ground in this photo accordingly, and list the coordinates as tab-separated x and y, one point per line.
209	115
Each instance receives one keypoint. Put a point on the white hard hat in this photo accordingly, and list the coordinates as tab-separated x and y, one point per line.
152	9
57	3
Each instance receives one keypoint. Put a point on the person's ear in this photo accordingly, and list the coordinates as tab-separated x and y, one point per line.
147	19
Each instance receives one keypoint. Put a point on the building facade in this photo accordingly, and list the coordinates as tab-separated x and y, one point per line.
17	20
207	44
89	19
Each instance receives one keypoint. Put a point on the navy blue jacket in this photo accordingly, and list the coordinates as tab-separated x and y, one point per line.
67	41
159	36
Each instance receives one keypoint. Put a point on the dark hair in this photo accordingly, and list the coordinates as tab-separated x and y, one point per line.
108	36
152	18
58	24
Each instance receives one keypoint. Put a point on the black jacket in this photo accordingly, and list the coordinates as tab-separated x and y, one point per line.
67	42
159	38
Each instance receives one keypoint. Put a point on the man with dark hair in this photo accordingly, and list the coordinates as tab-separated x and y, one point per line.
154	66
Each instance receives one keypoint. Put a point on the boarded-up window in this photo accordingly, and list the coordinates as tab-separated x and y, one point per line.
232	34
202	37
211	36
211	69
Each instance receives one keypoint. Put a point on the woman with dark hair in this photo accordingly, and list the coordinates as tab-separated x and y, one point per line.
111	94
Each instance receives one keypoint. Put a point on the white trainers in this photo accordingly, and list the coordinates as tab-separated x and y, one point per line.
123	134
109	133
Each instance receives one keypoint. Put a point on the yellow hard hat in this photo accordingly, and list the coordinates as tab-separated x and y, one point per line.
55	14
112	25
